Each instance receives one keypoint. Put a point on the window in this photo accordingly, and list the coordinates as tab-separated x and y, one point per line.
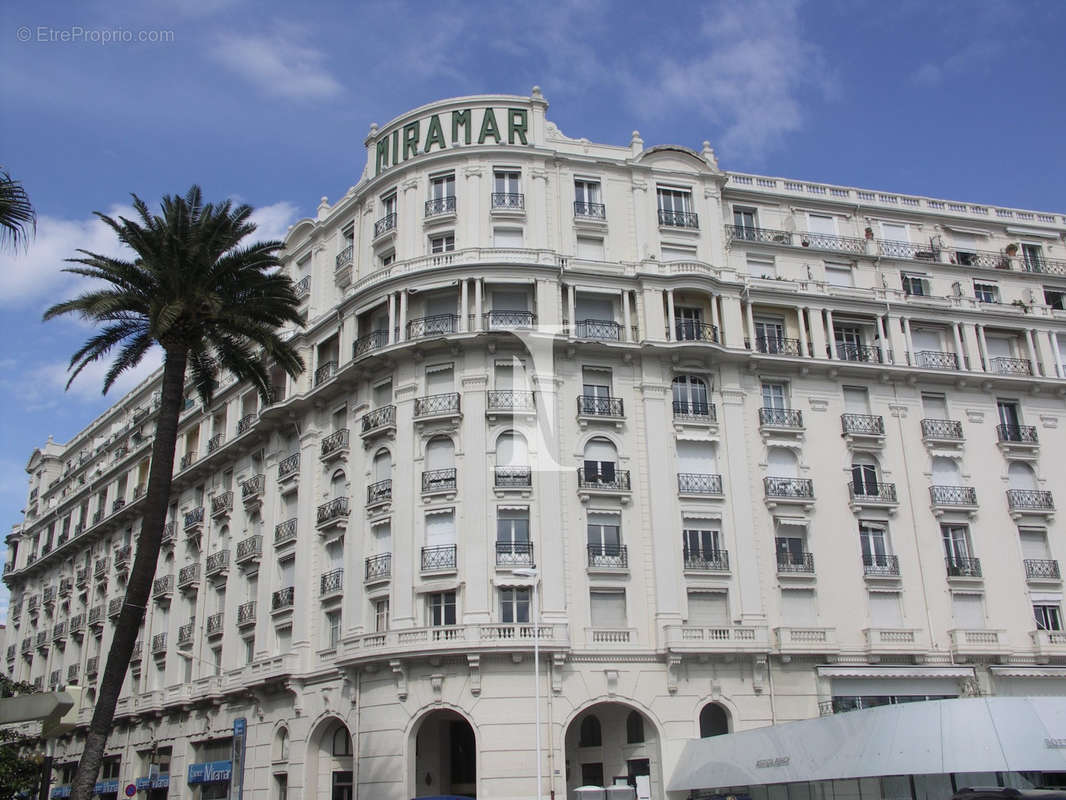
1008	414
441	608
342	742
914	284
791	549
761	267
690	396
587	202
1033	256
512	531
608	609
604	533
968	609
281	784
388	258
333	629
986	292
590	248
864	478
708	608
965	248
675	208
506	182
443	243
769	335
873	541
956	544
1055	297
1048	617
688	323
839	275
442	187
281	745
885	610
703	544
249	650
388	205
714	721
591	774
634	728
744	221
506	237
596	383
514	605
797	607
381	615
774	396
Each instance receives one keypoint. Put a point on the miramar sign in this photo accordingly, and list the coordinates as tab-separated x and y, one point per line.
420	136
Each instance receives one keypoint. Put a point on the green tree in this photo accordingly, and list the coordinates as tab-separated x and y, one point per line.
20	772
210	303
17	217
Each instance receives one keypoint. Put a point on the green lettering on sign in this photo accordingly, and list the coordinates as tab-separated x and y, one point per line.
461	119
383	154
517	123
489	127
410	140
395	147
434	134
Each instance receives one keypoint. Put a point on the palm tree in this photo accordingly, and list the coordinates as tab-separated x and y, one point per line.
209	302
17	216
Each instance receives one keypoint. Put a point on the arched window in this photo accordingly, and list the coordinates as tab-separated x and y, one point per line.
1020	476
714	721
600	459
864	475
223	536
590	734
440	453
690	396
281	745
634	728
342	742
781	463
946	472
336	484
382	467
511	450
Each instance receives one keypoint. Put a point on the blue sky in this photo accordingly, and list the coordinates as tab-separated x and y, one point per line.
270	101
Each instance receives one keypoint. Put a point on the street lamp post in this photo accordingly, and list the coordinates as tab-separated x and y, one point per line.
530	572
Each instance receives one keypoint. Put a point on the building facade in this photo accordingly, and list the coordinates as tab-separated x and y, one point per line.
727	450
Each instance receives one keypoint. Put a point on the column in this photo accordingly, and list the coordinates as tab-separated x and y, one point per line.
818	344
392	318
1032	351
626	320
1056	352
959	352
749	319
907	337
830	336
983	348
883	337
477	305
732	321
969	338
805	349
1050	364
671	323
572	308
714	313
403	315
464	305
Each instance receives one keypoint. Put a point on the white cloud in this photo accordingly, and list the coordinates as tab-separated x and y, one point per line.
44	386
278	63
273	221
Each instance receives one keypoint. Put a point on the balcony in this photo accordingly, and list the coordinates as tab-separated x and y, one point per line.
698	483
100	567
880	566
1017	438
245	423
252	491
608	556
49	596
194	520
222	504
872	494
678	219
439	558
114	607
186	632
963	567
189	577
378	421
92	666
334	445
437	405
246	614
215	442
27	645
139	490
593	406
289	467
217	564
513	478
777	346
378	568
806	640
333	513
953	496
933	359
1001	365
514	554
118	505
793	563
694	412
42	640
862	426
603	481
691	331
214	624
283	599
440	205
436	325
598	330
11	651
705	560
184	463
503	320
72	674
1048	643
375	340
54	679
331	583
942	430
163	587
379	493
302	287
159	644
780	419
387	224
857	352
789	490
167	537
325	372
77	625
508	201
285	532
590	211
1042	569
979	641
439	481
96	616
249	550
1030	500
744	233
59	632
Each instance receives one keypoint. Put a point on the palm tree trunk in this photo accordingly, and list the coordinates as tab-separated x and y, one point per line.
141	575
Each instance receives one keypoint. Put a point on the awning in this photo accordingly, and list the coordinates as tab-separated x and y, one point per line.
982	734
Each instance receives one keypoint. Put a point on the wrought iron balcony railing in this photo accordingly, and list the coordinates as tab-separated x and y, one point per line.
302	287
379	418
1035	499
776	346
857	352
194	517
285	531
379	492
799	488
215	442
378	567
114	607
330	582
678	219
185	633
590	210
222	503
933	359
1042	569
608	556
795	562
246	613
963	567
189	575
118	504
436	325
601	330
288	466
913	251
509	320
92	665
595	406
440	205
862	424
77	623
1017	434
884	565
435	404
692	331
1001	365
245	423
942	429
159	645
283	598
185	463
694	411
163	586
509	400
169	532
385	224
514	554
513	477
439	558
706	560
876	492
217	563
100	566
508	201
344	257
253	487
337	508
616	480
335	442
781	418
214	623
59	630
829	241
72	673
374	340
325	372
699	483
249	548
953	495
744	233
96	615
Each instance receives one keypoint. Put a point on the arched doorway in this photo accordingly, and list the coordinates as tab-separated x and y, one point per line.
714	721
330	762
609	741
444	756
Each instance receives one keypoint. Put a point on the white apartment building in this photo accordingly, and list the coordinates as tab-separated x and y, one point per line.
729	450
